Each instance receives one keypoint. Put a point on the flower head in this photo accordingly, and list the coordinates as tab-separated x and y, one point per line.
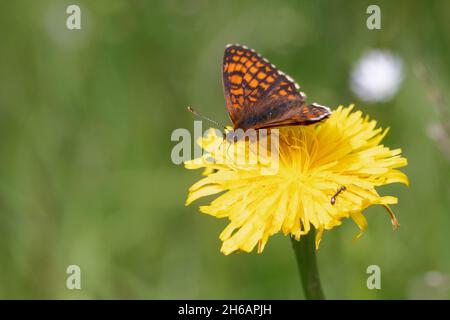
377	76
340	158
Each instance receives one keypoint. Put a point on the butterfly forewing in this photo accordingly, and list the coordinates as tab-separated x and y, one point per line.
258	95
246	78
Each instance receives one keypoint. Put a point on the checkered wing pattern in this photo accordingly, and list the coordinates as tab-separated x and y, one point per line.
258	95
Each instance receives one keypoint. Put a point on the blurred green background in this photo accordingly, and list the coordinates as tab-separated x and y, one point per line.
85	171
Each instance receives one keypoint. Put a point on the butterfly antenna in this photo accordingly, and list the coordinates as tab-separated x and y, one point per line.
190	109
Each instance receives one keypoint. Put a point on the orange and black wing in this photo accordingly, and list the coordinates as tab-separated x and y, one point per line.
258	95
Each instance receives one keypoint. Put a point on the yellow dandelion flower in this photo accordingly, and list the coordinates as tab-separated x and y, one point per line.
326	172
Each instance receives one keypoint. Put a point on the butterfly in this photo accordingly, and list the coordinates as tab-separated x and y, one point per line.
258	95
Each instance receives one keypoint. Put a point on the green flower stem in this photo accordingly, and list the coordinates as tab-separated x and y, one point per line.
305	253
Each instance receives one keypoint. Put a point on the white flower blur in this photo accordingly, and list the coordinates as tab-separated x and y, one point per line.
377	76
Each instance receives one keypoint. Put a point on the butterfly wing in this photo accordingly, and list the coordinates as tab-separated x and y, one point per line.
283	112
258	95
247	77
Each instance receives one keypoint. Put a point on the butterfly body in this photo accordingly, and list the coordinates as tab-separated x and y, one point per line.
258	95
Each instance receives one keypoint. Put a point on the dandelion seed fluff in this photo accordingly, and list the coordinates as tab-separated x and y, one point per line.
377	76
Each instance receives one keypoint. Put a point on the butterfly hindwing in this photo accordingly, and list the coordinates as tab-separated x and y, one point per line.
258	95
